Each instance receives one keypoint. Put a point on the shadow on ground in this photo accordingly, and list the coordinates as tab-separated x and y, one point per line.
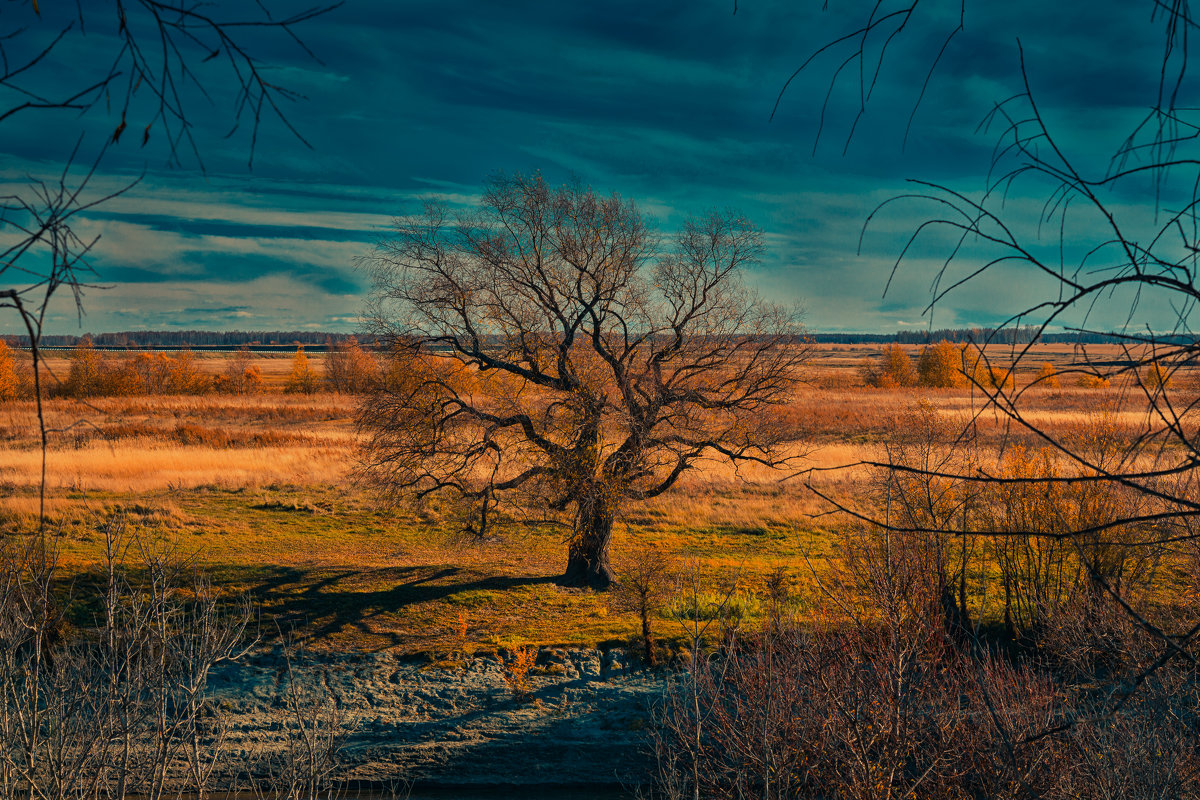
326	603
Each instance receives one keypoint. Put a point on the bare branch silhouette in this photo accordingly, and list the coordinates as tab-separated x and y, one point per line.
549	353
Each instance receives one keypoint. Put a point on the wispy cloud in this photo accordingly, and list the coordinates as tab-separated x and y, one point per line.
666	103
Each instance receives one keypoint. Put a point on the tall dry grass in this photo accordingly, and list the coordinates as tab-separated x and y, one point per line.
135	469
150	443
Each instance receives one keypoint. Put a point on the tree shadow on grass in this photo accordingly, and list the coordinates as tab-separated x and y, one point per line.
320	603
324	603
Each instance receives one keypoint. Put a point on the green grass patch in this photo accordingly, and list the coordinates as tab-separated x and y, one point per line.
324	563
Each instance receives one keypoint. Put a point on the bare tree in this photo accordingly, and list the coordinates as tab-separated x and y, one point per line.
316	728
552	352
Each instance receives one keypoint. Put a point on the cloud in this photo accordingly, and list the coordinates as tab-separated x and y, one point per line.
666	103
274	302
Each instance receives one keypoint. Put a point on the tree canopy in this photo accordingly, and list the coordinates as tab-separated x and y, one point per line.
552	352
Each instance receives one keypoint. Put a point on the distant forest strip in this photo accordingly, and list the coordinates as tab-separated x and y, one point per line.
997	336
317	340
198	340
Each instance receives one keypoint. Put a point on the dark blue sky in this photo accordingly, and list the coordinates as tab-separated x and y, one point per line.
666	103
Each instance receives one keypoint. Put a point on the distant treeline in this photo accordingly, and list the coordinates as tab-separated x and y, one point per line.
266	340
992	336
136	340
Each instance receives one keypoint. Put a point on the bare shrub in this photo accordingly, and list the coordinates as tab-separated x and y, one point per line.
119	708
1063	532
349	368
315	728
1132	712
1038	569
871	701
937	512
895	691
123	707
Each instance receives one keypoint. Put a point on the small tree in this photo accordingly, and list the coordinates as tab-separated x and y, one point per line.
1156	377
185	377
608	363
303	379
893	369
151	373
85	378
1047	376
646	579
940	366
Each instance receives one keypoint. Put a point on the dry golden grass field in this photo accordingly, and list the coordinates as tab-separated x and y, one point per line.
260	491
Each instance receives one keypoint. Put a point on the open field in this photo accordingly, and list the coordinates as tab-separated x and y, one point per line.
260	491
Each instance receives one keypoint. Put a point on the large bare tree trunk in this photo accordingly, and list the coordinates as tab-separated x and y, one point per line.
587	555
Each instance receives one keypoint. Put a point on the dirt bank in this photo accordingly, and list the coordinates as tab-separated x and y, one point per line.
583	723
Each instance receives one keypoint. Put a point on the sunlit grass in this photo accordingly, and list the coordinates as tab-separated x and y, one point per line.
286	520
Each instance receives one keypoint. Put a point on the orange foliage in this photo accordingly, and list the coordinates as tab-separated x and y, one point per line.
10	384
1156	377
1047	376
516	671
995	378
96	374
1089	381
303	379
240	376
83	378
893	369
940	366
